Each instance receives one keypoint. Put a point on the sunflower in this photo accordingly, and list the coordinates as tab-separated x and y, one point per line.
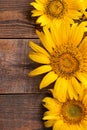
84	9
68	115
50	11
63	58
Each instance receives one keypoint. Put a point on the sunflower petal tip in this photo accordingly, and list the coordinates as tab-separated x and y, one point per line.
40	87
29	74
30	42
37	31
43	100
29	55
32	3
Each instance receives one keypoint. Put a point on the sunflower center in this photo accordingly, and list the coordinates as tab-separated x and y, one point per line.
66	60
73	111
67	63
55	8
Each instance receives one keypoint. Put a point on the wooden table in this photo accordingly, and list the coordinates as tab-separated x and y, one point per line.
20	97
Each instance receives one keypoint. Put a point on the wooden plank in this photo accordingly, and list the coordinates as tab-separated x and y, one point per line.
15	19
21	112
15	66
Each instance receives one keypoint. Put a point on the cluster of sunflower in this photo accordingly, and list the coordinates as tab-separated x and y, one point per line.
63	57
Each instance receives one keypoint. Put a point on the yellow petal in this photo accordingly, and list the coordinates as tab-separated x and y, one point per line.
56	32
82	78
37	6
85	100
77	86
48	79
36	13
81	95
72	31
40	70
83	46
44	42
77	127
53	112
66	126
85	14
50	117
75	4
49	123
58	125
51	104
38	57
43	19
68	20
41	1
37	48
64	34
84	124
74	14
71	91
60	89
49	37
55	26
78	33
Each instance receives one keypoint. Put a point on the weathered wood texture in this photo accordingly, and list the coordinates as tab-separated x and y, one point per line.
15	19
15	66
20	97
21	112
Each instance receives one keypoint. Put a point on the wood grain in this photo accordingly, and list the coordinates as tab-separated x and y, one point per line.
20	104
20	97
15	66
15	19
21	112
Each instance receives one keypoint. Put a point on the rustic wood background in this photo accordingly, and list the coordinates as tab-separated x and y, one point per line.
20	97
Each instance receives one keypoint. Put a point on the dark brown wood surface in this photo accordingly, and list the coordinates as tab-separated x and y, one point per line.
20	97
15	66
15	19
21	112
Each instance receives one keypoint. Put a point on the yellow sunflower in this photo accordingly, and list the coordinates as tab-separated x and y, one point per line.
50	11
63	59
69	115
84	9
